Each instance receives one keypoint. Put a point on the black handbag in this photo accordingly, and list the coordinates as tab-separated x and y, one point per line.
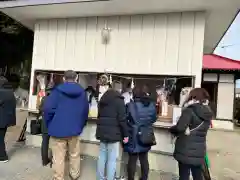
146	136
36	127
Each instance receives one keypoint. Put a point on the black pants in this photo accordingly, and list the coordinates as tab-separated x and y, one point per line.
184	172
3	154
132	163
44	149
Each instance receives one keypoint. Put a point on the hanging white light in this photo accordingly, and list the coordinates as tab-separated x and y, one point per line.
110	79
132	84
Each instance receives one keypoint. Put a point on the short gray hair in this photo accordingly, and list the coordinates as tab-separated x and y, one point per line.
70	75
116	85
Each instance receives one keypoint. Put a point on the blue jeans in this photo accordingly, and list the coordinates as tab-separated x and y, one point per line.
107	159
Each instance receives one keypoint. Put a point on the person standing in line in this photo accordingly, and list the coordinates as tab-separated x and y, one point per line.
127	94
111	131
45	152
191	132
65	113
7	114
141	116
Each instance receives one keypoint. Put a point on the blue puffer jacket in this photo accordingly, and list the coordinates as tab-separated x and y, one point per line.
65	110
141	112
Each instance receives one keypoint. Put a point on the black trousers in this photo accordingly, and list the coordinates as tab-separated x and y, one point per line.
184	172
132	163
3	154
44	149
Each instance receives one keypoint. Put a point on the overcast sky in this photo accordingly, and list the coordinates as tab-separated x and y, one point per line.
230	44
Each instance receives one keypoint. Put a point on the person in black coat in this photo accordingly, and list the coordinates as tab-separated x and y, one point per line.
45	153
7	114
190	132
141	114
111	131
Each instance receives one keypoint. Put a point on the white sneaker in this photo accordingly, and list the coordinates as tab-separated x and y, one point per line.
4	161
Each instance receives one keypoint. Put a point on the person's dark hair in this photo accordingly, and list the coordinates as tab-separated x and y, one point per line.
128	85
145	89
199	94
136	92
90	89
139	92
70	75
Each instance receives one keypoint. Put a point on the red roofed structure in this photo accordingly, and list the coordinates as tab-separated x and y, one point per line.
219	79
215	62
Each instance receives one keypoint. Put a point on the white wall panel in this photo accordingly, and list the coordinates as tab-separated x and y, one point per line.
225	100
60	45
186	43
80	42
112	51
140	44
70	44
51	44
210	77
159	43
197	48
226	78
172	43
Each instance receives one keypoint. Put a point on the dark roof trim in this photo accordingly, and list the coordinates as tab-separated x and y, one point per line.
16	4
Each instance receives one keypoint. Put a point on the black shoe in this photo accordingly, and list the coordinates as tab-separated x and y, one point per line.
50	157
120	178
4	160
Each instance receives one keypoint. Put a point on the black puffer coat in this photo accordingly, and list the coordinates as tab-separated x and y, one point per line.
7	106
112	118
191	149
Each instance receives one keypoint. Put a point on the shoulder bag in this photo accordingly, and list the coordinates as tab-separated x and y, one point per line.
36	126
145	134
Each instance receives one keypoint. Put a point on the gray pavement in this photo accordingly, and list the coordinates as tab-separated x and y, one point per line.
25	164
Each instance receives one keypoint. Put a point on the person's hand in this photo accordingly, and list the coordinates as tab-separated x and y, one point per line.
125	140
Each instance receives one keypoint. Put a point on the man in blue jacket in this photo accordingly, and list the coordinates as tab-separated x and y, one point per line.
65	113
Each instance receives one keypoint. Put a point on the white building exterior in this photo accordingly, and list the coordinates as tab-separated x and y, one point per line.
225	93
170	43
160	37
157	44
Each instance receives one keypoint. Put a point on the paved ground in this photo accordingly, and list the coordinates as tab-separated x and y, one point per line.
224	153
25	164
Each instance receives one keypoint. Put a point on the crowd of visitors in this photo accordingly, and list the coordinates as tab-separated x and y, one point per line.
126	122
